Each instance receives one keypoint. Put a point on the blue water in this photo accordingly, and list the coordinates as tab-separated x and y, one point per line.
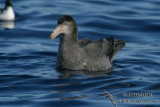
28	77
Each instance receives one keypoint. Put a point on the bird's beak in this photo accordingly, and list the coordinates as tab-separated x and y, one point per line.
56	32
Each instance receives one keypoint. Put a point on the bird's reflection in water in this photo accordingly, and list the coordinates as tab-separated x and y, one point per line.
62	86
73	98
70	73
7	24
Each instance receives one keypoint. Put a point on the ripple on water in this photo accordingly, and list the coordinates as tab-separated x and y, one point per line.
28	58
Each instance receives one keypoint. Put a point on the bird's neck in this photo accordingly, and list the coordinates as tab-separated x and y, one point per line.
69	41
8	4
7	7
68	45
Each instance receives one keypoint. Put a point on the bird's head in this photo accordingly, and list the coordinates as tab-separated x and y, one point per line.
66	25
9	3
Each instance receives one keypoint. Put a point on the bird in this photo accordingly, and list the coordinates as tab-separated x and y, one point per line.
7	14
84	54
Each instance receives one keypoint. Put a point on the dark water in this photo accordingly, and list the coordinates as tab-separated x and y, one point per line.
27	55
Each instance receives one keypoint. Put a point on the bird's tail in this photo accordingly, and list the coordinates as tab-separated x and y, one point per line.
115	46
111	42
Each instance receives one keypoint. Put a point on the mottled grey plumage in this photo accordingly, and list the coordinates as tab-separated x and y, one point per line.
84	54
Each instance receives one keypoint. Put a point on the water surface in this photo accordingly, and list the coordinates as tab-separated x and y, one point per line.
28	77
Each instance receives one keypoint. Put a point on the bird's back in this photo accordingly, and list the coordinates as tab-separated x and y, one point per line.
97	55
